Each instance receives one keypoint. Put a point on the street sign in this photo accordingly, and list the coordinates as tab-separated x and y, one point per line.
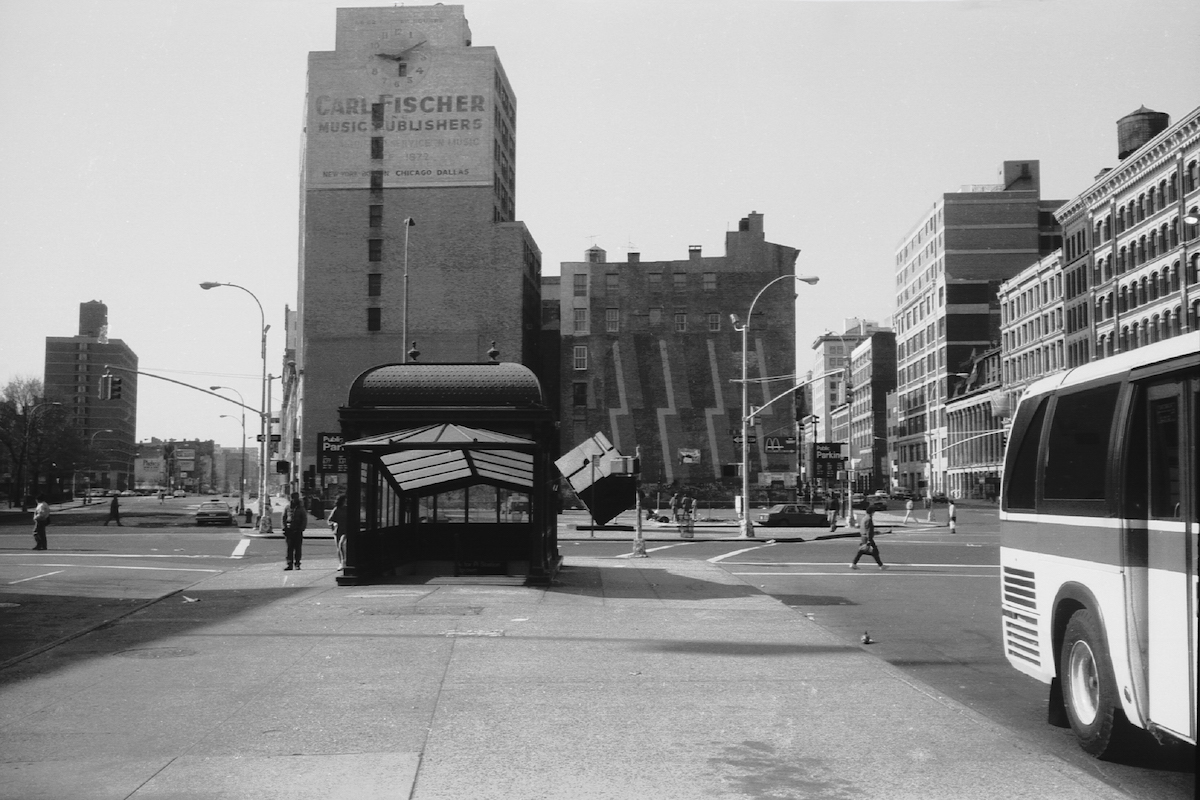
330	456
738	439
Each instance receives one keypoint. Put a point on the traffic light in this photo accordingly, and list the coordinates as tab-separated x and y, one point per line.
105	387
114	392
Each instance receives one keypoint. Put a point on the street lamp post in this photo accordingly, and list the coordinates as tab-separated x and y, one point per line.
24	466
747	413
87	498
242	448
264	503
409	222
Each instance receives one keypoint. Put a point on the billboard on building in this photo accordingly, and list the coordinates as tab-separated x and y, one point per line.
431	106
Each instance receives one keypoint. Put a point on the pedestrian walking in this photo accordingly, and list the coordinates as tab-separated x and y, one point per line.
162	496
337	518
295	520
686	505
953	518
866	541
908	507
928	507
675	507
41	518
114	512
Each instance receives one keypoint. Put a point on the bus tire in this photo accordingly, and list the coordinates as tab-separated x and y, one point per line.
1089	690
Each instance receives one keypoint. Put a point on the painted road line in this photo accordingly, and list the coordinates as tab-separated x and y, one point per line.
115	566
871	568
836	564
654	549
732	553
240	550
35	577
64	554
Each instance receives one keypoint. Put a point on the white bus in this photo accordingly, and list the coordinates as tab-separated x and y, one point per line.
1098	523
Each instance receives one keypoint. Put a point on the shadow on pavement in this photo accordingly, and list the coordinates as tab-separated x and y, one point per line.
106	626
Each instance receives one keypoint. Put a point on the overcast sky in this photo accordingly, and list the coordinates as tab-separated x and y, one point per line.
148	146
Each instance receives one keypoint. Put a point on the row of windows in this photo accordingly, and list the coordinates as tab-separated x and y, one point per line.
1033	329
1146	331
581	322
1035	363
612	281
1031	299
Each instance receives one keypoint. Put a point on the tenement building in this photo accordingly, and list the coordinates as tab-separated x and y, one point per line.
1032	332
948	270
410	247
107	425
651	358
1131	262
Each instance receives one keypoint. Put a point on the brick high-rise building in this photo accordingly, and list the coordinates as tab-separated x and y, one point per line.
406	120
108	428
649	356
948	272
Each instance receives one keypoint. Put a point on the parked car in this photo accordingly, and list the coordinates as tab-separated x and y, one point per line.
863	503
881	494
939	497
216	512
179	493
902	493
792	515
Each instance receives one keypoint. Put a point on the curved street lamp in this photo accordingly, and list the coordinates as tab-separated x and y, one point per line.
242	479
25	450
264	502
747	413
87	498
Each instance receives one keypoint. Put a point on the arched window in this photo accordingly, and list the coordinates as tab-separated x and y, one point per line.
1122	257
1154	328
1152	246
1121	219
1193	273
1175	277
1108	304
1174	233
1143	295
1173	188
1189	182
1153	286
1141	251
1123	300
1107	229
1124	338
1141	208
1164	285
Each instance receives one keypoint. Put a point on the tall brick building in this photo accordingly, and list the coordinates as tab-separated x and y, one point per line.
948	272
649	356
406	120
74	365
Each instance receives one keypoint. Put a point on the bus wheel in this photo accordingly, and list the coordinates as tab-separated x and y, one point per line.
1088	688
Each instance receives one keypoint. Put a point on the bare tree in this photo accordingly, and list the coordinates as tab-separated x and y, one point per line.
36	435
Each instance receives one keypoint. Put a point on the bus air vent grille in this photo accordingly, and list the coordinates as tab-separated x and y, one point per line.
1020	637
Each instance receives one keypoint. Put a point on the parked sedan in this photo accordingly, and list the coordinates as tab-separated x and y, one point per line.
873	502
216	512
791	515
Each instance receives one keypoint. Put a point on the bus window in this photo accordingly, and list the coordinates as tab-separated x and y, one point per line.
1165	497
1021	480
1077	448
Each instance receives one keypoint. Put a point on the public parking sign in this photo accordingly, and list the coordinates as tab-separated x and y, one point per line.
829	460
330	455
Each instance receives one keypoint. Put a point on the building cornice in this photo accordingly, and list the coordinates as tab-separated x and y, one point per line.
1135	168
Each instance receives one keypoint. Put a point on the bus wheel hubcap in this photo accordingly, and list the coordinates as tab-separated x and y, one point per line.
1085	683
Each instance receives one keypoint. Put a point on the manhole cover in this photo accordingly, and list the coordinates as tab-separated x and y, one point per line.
156	652
10	605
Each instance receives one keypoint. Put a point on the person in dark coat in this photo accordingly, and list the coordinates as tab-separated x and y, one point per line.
295	520
114	512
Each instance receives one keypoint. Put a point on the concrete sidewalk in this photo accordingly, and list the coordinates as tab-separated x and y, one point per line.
625	679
